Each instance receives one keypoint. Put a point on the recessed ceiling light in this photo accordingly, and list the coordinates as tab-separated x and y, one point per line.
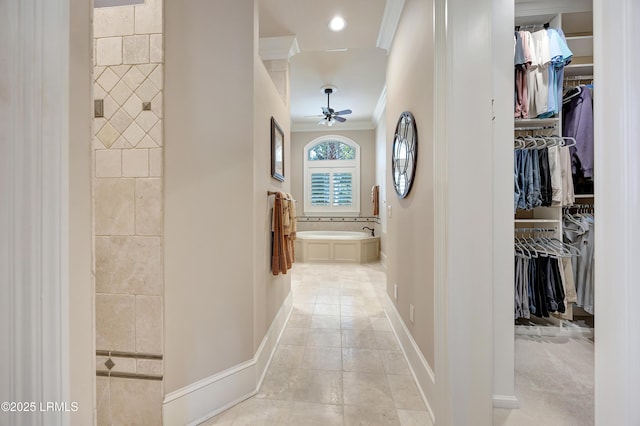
336	24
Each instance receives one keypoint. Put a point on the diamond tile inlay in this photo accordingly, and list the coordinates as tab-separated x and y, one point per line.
133	78
108	79
133	134
147	91
121	93
120	120
108	135
109	364
146	120
133	106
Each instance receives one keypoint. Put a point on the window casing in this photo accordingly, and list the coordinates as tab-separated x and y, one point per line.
332	176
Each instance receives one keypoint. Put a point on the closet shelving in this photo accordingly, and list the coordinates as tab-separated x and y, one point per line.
577	27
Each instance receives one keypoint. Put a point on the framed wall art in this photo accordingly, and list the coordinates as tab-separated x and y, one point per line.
277	151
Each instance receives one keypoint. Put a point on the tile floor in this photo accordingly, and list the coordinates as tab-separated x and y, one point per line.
338	362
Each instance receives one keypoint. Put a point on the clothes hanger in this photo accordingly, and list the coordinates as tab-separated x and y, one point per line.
571	94
524	247
573	250
571	140
558	245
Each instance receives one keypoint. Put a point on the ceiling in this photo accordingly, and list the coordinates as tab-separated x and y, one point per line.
358	73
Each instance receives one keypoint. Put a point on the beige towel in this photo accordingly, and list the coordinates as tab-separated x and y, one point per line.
375	198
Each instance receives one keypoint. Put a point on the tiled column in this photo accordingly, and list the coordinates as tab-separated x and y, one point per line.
128	220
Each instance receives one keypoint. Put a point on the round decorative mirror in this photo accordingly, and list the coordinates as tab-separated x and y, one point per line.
405	154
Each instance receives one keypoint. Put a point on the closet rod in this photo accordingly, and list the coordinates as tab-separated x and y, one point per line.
535	230
518	129
532	27
578	77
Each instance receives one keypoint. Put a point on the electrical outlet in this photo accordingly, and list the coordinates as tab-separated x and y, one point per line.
411	313
389	211
395	291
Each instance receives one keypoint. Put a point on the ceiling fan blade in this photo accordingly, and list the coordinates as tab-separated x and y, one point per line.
309	116
340	119
344	112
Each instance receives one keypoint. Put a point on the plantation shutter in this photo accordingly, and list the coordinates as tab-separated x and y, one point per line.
320	189
342	188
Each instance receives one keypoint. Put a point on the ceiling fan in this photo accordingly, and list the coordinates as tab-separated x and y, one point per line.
329	115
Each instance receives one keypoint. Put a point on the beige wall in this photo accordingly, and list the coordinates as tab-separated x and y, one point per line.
410	230
220	296
269	291
364	138
81	287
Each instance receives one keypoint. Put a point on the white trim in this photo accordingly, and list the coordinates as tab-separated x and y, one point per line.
380	107
389	24
503	269
199	401
272	48
420	368
34	219
348	125
506	401
442	89
617	232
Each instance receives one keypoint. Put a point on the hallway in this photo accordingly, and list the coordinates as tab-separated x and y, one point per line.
338	362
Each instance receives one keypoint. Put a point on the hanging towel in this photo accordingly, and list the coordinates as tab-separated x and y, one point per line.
279	249
284	233
375	199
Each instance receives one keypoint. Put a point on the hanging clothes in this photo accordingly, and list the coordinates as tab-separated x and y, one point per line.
539	60
532	182
578	124
539	289
578	231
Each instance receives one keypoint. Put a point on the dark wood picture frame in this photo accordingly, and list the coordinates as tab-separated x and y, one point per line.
277	151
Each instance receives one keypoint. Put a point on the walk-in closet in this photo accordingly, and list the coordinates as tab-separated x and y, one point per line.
554	211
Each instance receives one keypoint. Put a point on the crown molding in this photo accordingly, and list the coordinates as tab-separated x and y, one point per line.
273	48
390	19
380	107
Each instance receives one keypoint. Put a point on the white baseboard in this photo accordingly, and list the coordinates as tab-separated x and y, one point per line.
554	331
505	401
420	369
210	396
383	259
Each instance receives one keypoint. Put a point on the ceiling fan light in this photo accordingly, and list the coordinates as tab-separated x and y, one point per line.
337	24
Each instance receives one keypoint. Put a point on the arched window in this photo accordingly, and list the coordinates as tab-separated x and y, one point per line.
332	176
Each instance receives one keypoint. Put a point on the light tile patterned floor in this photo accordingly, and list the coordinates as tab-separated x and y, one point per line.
338	362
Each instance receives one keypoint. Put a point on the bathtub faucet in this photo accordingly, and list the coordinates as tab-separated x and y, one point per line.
370	229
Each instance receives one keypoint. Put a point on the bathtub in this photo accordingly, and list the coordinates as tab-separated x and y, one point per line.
336	246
